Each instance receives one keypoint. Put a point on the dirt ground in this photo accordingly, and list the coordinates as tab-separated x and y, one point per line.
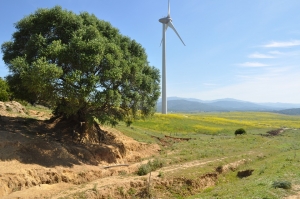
37	161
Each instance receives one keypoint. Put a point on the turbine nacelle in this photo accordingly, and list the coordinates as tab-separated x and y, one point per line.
165	20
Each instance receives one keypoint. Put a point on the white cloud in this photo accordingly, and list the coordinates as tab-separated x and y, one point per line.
279	54
275	44
260	56
252	64
209	84
275	52
277	86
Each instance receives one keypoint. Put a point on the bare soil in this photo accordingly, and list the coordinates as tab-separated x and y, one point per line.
36	154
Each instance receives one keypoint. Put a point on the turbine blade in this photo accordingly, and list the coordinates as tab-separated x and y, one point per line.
169	8
166	27
171	26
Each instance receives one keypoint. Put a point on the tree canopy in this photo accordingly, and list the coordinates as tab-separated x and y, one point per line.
80	66
4	90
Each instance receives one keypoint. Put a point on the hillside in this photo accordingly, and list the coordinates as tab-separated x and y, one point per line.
189	106
293	111
176	104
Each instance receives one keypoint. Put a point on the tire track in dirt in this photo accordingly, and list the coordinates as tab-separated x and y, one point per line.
113	184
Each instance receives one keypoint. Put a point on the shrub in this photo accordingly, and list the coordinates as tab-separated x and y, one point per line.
4	90
161	174
240	131
144	169
219	169
150	166
156	164
282	184
131	191
128	123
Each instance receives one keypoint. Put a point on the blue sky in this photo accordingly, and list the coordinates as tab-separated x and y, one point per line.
247	50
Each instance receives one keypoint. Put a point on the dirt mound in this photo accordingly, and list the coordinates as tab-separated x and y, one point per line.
275	132
34	153
45	151
231	166
12	107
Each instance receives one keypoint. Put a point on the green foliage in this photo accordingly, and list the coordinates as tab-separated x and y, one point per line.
156	164
121	191
240	131
128	123
150	166
80	66
4	90
131	191
282	184
144	169
161	174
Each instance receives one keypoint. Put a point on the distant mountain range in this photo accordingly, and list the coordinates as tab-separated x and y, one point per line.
292	111
176	104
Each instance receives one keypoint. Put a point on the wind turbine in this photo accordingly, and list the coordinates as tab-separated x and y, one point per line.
167	22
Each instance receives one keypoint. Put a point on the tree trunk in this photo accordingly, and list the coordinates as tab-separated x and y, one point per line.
91	133
83	129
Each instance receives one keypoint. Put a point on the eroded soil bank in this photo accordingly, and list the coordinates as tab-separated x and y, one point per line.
35	152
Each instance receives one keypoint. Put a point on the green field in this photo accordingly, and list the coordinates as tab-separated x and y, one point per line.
274	159
211	123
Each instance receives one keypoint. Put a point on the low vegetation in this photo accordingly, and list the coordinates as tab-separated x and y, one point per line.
150	166
282	184
207	164
240	131
270	166
191	125
4	90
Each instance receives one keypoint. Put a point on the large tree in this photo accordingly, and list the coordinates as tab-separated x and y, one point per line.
80	66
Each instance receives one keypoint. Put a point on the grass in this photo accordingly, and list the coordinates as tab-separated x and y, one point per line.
274	159
278	167
214	123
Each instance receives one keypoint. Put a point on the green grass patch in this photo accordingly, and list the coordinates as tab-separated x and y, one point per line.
275	166
274	159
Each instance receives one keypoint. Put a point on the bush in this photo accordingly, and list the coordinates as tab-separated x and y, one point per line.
161	174
240	131
4	90
156	164
282	184
144	170
150	166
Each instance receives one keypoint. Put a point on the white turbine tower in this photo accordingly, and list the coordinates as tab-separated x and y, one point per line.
167	22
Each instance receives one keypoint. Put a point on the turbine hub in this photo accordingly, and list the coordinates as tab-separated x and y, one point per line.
165	20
